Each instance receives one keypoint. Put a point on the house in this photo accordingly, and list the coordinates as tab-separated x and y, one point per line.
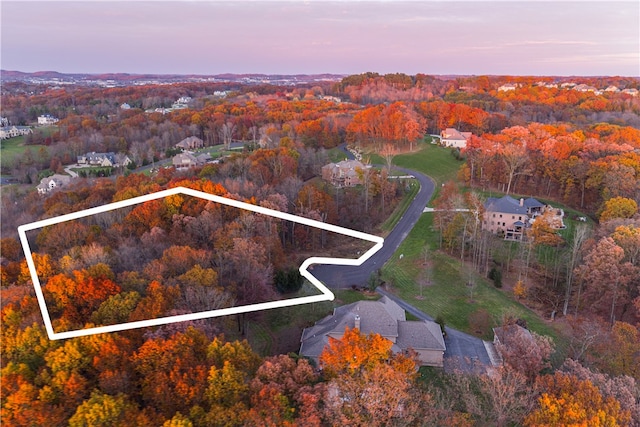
343	174
583	87
51	183
125	106
47	119
7	132
97	159
384	317
632	91
122	160
451	137
104	159
190	143
507	87
184	161
510	216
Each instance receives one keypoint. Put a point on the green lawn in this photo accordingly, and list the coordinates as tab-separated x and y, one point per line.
14	147
336	155
474	310
432	160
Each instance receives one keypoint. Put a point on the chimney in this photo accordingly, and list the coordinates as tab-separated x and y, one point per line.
357	325
521	201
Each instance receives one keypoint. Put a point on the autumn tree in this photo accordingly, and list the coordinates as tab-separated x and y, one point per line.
526	352
368	384
501	397
285	391
605	278
618	207
566	400
543	231
172	372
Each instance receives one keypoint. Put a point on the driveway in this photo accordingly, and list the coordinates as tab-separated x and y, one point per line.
341	277
464	352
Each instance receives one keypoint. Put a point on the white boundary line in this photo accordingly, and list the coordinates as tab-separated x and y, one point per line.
326	294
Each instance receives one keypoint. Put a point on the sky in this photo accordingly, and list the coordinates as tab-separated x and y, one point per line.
560	38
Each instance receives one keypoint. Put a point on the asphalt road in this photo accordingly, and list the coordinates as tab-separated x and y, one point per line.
464	352
340	277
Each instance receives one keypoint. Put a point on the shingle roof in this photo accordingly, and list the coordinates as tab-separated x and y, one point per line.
420	335
454	134
384	317
532	203
506	204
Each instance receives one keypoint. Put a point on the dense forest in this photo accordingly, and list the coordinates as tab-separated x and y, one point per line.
542	137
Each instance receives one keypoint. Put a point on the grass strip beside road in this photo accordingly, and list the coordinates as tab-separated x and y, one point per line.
472	310
402	207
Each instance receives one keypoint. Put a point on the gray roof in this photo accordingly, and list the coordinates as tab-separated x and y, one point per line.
384	317
506	204
532	203
420	335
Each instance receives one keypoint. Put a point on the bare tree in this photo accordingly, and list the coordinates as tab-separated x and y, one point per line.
226	134
579	237
515	159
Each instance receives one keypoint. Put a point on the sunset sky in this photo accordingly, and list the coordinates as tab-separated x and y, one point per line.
346	37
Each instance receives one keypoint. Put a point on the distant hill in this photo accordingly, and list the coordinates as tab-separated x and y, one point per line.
123	79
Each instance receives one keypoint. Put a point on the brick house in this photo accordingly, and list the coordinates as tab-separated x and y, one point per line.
343	174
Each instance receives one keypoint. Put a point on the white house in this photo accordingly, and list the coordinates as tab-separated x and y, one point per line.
51	183
507	87
451	137
47	119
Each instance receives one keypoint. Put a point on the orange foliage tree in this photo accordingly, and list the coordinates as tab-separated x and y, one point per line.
566	400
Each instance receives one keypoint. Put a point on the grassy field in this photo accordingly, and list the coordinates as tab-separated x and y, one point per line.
432	160
474	310
14	147
445	292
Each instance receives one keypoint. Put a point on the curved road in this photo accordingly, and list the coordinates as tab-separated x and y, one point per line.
464	352
346	276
